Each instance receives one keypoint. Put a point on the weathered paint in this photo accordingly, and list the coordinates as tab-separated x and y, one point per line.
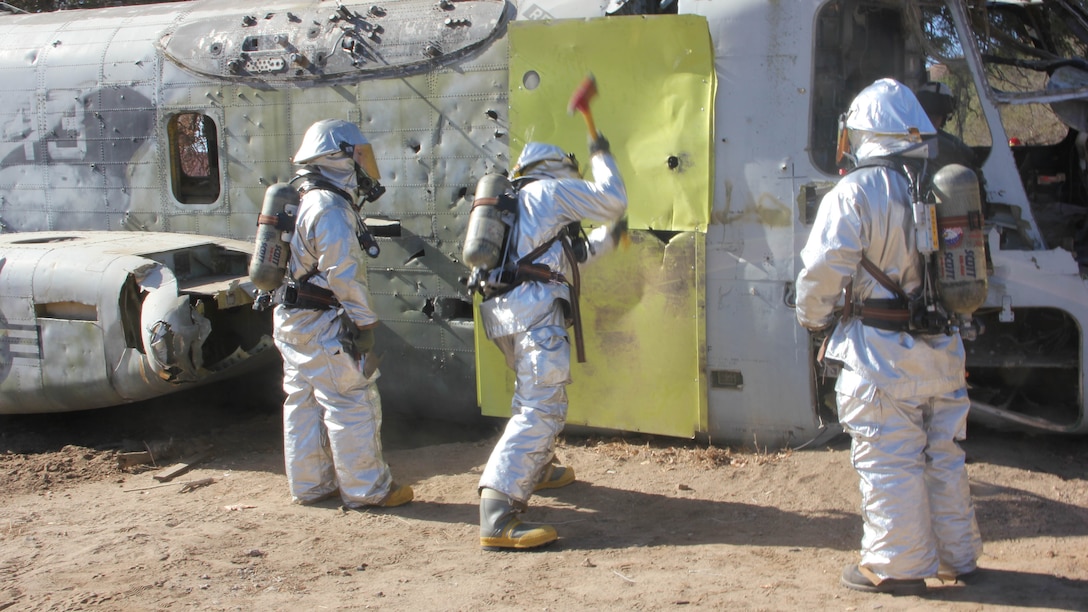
85	123
92	319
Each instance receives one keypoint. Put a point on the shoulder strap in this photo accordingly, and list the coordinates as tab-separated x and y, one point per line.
918	176
882	278
878	162
313	181
913	177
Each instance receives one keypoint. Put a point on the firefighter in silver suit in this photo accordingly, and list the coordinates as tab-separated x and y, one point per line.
529	325
323	328
902	395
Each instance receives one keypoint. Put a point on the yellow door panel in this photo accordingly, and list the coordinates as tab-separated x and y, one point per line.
643	306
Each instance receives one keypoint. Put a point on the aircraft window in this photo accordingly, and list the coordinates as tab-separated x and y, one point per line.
856	42
946	63
1019	45
194	158
71	311
1024	49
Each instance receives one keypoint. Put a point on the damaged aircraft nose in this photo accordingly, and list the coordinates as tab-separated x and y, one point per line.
117	317
175	338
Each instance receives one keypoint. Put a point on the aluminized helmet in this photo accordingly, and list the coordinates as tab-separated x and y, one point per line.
886	119
328	137
546	161
338	150
887	107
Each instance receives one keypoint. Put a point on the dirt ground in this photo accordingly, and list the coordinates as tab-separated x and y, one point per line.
651	524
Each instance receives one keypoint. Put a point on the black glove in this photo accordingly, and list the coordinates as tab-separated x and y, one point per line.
598	144
363	341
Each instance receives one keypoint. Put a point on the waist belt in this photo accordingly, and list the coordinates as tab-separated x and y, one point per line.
889	314
306	296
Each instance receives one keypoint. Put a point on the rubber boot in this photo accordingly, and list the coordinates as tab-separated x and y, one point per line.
554	476
398	496
501	529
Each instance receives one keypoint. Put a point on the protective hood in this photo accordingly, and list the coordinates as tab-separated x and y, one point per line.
336	149
326	137
338	168
544	160
886	119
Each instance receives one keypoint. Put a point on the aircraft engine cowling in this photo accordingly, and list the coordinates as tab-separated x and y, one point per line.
961	255
275	225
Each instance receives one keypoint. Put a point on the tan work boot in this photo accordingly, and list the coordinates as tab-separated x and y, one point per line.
501	529
554	476
398	496
854	577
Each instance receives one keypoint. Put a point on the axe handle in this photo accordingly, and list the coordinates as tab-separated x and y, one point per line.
589	122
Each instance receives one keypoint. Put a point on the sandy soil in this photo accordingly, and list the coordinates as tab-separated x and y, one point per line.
651	524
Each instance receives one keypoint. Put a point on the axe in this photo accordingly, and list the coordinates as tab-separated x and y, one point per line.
579	101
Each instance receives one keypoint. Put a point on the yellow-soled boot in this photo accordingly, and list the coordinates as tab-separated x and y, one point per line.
398	496
554	476
501	529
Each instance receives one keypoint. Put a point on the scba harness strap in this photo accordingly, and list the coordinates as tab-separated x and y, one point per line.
302	293
305	295
508	274
921	314
527	270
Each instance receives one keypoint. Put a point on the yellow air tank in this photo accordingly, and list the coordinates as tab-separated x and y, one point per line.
961	255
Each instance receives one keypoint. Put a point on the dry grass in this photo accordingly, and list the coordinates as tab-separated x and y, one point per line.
669	451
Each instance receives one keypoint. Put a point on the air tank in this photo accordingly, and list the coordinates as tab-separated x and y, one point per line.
275	225
487	227
961	254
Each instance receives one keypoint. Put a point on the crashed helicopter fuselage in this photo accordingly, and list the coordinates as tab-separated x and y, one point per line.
176	117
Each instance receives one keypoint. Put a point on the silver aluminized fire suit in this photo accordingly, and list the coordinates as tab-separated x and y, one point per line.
529	325
901	397
332	413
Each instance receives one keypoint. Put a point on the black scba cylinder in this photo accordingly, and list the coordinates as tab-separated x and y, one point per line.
273	244
961	255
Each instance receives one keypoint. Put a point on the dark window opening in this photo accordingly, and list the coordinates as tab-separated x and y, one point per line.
130	304
447	309
194	158
856	43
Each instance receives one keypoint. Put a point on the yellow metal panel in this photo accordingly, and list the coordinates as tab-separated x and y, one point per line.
655	78
643	307
643	317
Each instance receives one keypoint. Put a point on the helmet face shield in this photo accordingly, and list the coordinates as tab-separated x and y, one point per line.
363	154
366	170
339	151
842	148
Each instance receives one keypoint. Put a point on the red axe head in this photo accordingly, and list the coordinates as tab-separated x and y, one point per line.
579	100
